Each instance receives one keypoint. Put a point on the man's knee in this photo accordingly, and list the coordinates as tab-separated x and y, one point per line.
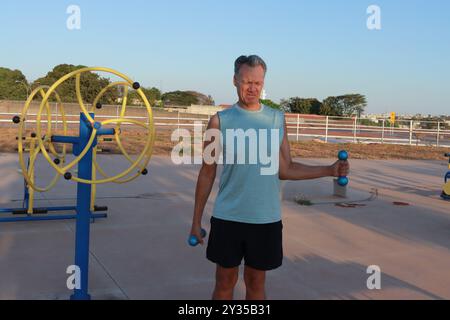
254	279
226	279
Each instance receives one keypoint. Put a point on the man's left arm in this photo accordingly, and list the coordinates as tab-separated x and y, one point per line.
290	170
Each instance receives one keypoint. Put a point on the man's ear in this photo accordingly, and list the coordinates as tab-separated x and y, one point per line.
235	81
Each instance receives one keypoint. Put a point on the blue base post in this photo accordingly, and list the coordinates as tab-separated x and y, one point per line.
83	211
83	204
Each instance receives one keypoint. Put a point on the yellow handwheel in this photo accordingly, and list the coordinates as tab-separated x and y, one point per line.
141	161
447	188
33	147
117	135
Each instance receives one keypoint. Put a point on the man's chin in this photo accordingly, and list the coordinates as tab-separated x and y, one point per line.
252	100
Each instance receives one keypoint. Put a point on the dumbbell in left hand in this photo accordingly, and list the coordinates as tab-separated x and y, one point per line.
343	156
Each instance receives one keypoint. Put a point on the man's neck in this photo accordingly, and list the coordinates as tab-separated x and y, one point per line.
251	107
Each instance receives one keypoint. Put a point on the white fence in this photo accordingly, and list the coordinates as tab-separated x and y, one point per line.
339	129
303	127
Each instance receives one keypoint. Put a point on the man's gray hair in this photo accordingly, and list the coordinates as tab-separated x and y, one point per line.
251	61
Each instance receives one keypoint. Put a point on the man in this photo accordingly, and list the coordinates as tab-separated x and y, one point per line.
246	222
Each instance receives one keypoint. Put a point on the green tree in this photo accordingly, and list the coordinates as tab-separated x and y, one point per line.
331	107
90	84
186	98
353	104
153	95
179	98
13	85
270	103
345	105
284	106
302	105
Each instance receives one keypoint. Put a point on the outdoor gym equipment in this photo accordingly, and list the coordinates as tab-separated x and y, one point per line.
28	148
446	189
84	148
193	241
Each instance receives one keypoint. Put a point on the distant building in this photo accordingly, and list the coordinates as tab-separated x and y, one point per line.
200	109
196	109
263	94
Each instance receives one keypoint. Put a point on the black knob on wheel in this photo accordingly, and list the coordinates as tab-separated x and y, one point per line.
144	172
56	161
67	176
16	119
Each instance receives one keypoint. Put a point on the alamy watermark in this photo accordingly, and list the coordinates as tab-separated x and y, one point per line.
74	280
73	22
241	147
374	281
374	19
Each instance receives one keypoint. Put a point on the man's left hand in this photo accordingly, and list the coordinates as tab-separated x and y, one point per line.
340	168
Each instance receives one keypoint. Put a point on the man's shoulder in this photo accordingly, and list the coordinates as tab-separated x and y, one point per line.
226	111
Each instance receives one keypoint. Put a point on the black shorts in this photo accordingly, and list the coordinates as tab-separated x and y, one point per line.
260	245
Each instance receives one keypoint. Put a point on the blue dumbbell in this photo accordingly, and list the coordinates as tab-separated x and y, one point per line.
193	241
343	156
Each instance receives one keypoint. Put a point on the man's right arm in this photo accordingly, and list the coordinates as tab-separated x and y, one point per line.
205	182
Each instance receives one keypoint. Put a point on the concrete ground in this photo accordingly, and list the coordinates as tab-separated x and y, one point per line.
140	250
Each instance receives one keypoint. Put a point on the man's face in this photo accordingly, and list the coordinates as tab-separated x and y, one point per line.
249	83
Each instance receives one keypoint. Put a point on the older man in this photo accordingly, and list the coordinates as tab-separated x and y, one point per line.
246	221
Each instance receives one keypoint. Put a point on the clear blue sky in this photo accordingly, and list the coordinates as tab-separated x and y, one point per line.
312	48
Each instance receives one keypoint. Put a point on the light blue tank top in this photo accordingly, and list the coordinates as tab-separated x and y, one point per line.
249	191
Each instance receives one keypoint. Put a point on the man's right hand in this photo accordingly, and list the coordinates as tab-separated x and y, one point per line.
196	230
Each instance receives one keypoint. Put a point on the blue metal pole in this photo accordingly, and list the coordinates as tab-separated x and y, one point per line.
83	212
65	139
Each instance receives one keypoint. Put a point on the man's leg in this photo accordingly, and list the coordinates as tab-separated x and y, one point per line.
226	279
254	283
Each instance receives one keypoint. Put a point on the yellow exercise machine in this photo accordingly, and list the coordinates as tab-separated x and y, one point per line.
84	148
446	189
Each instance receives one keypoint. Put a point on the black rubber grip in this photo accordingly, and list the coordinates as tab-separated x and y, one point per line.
19	211
100	208
40	211
35	211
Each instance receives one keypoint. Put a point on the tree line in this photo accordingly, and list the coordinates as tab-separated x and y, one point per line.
14	86
342	106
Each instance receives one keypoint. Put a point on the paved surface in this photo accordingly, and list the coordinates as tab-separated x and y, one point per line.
140	250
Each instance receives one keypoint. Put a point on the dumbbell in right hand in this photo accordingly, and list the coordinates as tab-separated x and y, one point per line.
193	241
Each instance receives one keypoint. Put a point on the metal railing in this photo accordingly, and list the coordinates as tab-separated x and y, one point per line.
302	127
408	132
